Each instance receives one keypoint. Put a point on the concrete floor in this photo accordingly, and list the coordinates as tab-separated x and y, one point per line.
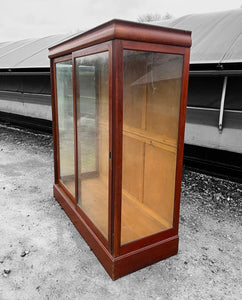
42	256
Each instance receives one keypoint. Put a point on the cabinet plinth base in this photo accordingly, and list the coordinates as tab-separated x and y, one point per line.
122	265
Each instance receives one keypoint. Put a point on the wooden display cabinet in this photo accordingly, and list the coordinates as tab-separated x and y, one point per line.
119	101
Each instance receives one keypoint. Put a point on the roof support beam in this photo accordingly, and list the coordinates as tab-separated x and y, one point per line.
201	73
25	73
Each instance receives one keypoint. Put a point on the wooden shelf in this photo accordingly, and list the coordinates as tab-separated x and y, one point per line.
159	141
137	220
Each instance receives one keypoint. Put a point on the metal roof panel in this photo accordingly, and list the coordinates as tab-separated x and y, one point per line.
216	37
32	53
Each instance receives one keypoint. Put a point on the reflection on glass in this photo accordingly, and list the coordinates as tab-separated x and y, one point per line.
92	94
151	104
65	124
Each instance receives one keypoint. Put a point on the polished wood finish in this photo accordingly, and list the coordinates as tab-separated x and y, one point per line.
117	145
123	264
119	29
131	134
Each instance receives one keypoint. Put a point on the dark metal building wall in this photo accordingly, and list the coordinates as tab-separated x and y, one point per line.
35	84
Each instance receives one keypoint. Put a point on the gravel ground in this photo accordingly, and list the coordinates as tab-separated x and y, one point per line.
42	256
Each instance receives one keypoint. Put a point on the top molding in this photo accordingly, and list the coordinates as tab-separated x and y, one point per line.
126	30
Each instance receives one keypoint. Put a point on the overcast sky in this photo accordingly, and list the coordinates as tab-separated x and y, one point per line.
20	19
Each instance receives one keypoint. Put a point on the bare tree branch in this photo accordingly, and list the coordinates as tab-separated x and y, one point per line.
149	17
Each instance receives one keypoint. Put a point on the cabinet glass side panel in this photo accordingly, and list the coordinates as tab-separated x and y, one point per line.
65	124
92	95
151	103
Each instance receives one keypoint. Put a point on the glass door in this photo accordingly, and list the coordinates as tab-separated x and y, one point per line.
64	96
92	106
152	83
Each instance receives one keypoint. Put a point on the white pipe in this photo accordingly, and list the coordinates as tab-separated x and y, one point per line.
221	113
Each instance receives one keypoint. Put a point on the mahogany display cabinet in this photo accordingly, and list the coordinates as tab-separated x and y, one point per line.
119	101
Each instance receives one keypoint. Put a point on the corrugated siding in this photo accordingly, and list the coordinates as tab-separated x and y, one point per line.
216	37
30	53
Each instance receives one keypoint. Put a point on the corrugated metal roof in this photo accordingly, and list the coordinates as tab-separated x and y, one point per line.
216	37
29	53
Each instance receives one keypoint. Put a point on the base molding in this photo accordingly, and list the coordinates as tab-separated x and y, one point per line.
122	265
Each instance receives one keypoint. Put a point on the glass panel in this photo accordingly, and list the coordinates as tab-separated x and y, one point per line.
92	92
65	124
151	104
